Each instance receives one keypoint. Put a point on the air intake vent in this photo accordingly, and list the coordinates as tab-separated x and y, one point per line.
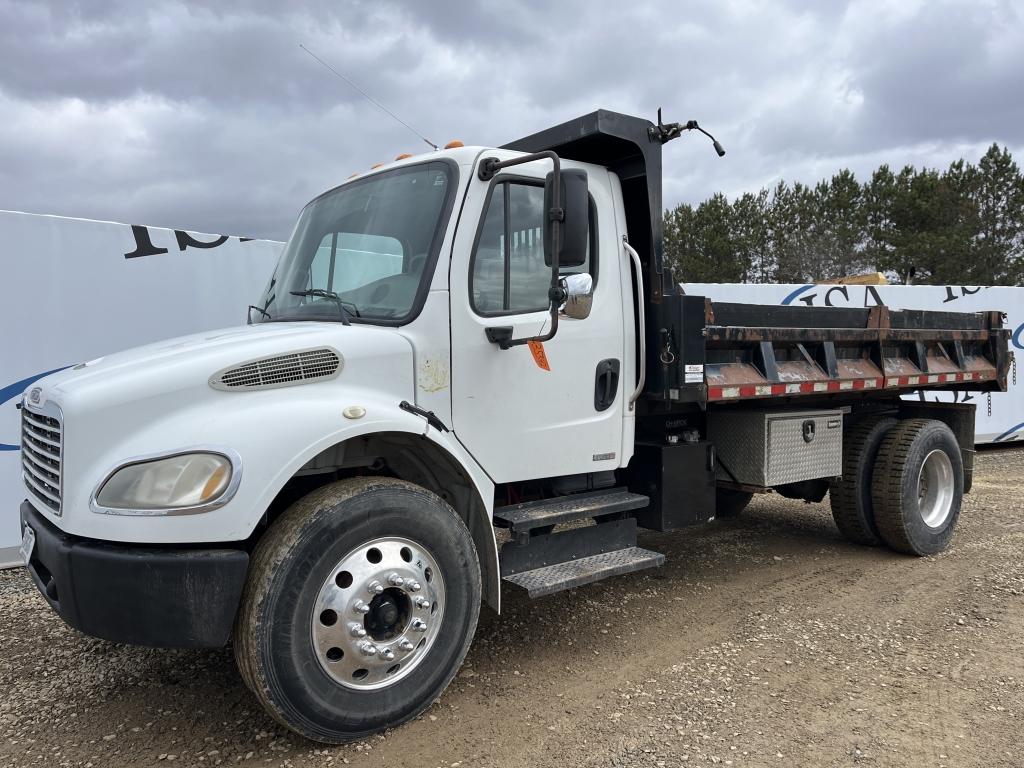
280	370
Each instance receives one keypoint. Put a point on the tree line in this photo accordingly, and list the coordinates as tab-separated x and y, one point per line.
963	225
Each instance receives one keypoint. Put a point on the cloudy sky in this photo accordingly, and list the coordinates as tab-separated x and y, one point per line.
208	116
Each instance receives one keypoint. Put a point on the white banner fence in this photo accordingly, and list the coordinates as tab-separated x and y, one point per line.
73	290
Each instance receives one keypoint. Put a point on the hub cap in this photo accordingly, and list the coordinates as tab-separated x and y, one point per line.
378	613
935	489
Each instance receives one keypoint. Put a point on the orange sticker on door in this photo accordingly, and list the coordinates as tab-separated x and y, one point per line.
539	355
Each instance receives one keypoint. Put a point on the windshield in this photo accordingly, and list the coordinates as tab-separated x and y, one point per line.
366	246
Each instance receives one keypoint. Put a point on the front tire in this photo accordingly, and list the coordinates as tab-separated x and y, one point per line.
361	604
918	486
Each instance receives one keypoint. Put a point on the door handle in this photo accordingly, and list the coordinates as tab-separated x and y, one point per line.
606	384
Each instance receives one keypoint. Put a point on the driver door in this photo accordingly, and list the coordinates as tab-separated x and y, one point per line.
541	410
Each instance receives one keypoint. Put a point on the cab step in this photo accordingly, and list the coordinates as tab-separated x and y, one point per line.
524	517
574	573
542	561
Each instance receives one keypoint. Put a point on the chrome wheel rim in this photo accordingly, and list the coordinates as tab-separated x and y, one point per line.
378	613
935	489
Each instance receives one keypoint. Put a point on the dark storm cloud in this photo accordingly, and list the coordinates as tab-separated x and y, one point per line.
209	116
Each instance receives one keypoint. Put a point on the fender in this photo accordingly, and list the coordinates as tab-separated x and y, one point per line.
396	420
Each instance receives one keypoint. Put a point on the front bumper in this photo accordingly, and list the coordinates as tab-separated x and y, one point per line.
167	597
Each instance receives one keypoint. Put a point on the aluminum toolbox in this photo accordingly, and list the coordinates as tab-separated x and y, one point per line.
776	447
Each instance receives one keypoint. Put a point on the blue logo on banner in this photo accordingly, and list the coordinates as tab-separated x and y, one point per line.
1010	434
794	294
14	390
1015	338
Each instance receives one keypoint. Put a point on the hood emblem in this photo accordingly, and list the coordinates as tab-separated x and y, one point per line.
35	395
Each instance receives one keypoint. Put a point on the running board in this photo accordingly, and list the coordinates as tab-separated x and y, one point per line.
520	518
586	570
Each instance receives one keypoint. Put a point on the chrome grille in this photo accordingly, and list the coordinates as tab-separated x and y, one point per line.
280	370
41	455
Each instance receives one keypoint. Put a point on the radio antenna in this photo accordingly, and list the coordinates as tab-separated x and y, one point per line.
368	96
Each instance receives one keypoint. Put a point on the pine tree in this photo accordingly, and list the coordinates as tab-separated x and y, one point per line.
750	237
790	224
999	196
840	224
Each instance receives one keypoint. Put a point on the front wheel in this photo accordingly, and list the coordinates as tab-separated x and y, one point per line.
361	604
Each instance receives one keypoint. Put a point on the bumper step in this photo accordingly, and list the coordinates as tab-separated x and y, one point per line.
564	509
574	573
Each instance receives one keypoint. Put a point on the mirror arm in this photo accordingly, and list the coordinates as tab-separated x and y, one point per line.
489	166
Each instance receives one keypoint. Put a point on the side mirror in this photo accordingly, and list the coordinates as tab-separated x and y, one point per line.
574	229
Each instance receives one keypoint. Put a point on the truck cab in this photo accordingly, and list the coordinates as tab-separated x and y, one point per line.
470	371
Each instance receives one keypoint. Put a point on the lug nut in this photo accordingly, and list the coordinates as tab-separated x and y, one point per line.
420	602
405	645
395	580
387	654
374	587
368	649
360	607
418	625
414	586
356	630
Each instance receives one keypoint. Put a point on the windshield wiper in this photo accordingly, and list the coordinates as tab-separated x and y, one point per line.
261	310
325	294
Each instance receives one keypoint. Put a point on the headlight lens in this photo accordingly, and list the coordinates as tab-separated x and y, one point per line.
177	482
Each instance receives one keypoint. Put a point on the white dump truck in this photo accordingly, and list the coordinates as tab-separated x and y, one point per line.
470	372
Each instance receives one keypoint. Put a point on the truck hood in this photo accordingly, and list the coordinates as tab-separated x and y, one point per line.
188	362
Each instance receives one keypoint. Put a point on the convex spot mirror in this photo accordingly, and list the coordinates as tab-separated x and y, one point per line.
574	230
579	295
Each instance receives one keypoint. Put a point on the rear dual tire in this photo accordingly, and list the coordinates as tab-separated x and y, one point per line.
917	487
902	485
850	495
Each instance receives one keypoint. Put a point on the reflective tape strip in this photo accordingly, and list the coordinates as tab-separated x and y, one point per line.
792	388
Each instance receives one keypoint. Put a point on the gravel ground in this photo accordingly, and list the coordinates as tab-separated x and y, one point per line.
764	641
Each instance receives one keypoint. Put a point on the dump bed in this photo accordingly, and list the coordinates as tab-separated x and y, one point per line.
707	352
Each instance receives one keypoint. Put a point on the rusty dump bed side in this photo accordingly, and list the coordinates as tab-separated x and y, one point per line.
711	352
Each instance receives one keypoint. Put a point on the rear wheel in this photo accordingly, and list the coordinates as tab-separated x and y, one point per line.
918	487
730	502
850	495
361	603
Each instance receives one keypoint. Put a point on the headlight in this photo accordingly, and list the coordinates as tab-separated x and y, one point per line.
179	482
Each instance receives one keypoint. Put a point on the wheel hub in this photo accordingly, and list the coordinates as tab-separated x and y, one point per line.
378	613
935	488
389	613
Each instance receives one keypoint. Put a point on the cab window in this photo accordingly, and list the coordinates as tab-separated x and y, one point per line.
508	274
